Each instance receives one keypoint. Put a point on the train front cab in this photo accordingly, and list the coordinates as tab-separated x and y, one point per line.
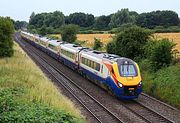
125	75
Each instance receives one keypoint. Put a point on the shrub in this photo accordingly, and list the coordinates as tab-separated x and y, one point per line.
110	47
97	44
6	41
159	53
130	42
69	32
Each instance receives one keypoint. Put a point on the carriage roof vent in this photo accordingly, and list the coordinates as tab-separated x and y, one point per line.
76	46
97	52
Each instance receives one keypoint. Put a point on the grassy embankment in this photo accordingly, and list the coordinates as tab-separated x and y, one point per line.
165	83
26	95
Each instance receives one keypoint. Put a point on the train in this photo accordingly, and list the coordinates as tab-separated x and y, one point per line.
120	76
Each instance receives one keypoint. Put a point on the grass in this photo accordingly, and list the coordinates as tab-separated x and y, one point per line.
163	84
33	90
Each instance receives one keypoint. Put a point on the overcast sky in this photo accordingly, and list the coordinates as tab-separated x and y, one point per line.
22	9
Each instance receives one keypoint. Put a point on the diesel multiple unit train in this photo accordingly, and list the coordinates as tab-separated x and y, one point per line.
118	75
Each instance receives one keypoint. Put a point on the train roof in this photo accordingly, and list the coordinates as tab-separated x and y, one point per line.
45	39
101	55
74	47
55	42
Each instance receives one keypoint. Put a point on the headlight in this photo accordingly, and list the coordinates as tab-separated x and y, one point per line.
140	84
120	85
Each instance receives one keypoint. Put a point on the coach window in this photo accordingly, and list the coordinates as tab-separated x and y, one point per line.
97	66
82	60
91	64
94	65
88	62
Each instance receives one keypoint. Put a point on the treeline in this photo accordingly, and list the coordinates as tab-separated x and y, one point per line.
53	21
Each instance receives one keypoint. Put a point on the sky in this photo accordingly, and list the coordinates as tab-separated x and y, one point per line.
22	9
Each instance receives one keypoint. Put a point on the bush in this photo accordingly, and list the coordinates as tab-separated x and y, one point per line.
130	42
97	44
160	53
6	41
69	32
110	47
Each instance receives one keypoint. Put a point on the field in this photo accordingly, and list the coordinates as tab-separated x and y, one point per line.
89	38
26	95
105	38
175	37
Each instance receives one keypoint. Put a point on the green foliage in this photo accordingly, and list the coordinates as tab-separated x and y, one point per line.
53	20
110	48
160	53
42	31
102	22
6	41
97	44
78	42
81	19
122	17
162	29
121	28
15	110
20	25
158	18
53	37
69	32
163	84
130	42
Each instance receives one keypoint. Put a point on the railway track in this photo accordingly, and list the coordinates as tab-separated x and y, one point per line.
162	103
145	113
93	106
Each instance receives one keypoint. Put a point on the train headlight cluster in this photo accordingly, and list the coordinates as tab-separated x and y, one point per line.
140	84
120	85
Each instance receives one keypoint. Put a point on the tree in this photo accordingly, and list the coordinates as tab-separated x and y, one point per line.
158	18
55	19
6	41
78	19
110	47
159	53
130	43
102	22
89	20
97	44
20	24
122	17
81	19
32	15
38	20
69	32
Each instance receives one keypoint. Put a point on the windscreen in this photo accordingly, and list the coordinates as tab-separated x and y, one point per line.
127	70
